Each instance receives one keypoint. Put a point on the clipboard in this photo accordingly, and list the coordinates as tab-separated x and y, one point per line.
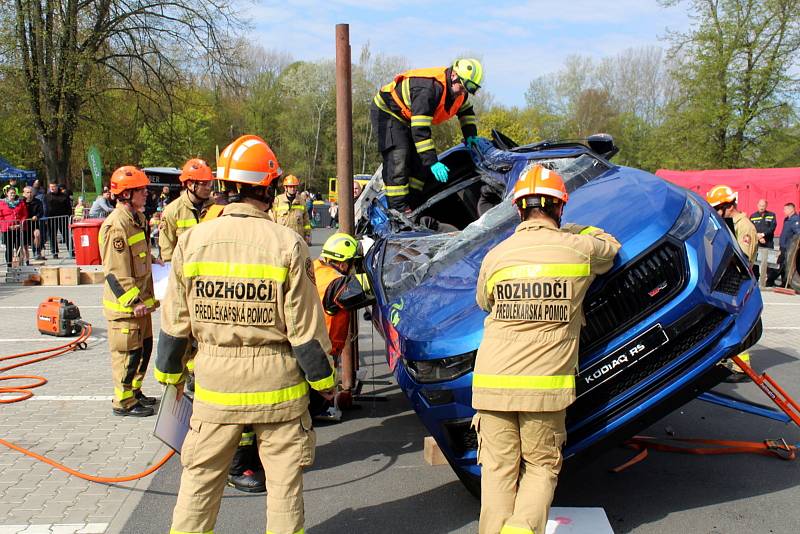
172	423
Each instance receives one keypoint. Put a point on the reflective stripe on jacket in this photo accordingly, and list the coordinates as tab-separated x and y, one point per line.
242	287
292	214
178	216
127	263
338	322
533	285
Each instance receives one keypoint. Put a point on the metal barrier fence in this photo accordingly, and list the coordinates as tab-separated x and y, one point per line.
30	239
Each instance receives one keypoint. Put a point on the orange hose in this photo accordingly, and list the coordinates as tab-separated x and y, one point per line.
24	393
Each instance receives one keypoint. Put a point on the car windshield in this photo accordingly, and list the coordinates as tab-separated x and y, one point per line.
408	261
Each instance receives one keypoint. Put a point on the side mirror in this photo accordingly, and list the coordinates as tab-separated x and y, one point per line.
603	144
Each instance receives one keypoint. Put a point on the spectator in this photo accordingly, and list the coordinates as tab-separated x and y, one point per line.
791	229
78	211
102	205
164	198
32	228
37	188
12	213
155	220
334	212
58	211
356	190
12	183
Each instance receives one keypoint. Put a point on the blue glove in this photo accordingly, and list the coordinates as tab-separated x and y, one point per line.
440	171
472	142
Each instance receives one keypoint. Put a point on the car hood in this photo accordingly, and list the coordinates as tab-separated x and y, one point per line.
438	317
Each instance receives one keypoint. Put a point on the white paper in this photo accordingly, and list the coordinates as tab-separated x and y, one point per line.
173	418
160	278
578	521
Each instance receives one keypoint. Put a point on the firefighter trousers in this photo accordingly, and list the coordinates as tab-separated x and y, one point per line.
131	344
520	458
285	449
403	173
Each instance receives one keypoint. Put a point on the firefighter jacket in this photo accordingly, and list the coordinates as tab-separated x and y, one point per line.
127	263
178	216
337	319
422	97
243	288
765	223
746	236
533	285
292	214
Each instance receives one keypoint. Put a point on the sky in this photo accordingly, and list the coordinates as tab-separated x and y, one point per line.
517	41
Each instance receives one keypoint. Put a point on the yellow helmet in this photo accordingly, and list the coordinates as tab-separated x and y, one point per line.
470	72
340	247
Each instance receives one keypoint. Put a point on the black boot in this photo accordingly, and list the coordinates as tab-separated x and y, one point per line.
143	399
249	482
137	410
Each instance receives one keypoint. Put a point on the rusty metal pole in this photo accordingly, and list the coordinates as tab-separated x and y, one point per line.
344	176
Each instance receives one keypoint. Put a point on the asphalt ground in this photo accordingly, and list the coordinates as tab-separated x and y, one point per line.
369	474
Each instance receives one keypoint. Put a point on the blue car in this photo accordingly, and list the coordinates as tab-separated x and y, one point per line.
679	299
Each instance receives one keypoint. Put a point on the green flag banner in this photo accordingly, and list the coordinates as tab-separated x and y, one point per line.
96	166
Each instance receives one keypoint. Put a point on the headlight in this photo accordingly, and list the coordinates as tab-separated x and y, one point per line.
689	219
441	370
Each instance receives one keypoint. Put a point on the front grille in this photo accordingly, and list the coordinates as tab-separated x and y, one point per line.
638	290
734	276
683	335
461	436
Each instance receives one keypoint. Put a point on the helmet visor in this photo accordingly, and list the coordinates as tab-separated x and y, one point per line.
469	85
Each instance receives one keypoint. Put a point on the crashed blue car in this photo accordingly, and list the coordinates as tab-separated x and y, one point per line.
679	299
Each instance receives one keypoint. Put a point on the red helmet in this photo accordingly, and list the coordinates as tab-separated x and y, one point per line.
196	170
128	177
248	160
537	181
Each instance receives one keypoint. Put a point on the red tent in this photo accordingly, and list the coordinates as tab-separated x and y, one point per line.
778	186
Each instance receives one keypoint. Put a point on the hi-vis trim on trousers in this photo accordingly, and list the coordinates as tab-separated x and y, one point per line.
250	398
173	531
539	270
234	270
523	382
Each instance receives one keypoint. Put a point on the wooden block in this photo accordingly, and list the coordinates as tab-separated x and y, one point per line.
68	276
49	276
432	453
91	277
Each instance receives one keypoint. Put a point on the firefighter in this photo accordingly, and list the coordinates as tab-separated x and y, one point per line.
724	200
402	113
765	223
128	291
533	285
289	210
341	291
243	288
189	208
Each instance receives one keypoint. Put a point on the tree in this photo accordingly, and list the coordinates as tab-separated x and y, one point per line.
735	76
69	52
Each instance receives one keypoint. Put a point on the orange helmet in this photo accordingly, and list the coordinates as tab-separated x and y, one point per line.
538	181
721	194
248	160
291	180
128	177
196	170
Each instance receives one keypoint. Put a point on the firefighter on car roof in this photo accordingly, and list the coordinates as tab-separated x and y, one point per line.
402	114
243	288
533	285
128	291
724	200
